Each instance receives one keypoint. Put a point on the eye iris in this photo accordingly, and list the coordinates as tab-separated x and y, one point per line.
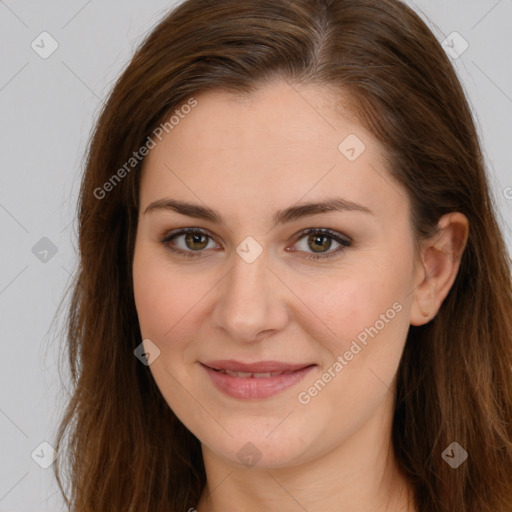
195	238
314	243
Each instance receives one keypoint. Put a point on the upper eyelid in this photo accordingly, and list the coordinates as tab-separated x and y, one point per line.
183	231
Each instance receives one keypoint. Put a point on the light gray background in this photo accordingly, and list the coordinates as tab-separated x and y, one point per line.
48	107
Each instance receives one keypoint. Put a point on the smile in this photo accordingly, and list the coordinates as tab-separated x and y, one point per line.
254	380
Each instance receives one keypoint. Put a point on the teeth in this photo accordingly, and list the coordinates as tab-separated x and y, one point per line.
262	375
237	374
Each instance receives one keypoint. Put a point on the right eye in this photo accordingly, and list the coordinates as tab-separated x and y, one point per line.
188	242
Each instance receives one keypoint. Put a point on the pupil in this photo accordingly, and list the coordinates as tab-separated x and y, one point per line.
195	239
317	244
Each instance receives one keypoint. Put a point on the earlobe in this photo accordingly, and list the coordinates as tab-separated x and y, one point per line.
438	267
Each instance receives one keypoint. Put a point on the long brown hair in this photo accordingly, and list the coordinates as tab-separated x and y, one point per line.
121	445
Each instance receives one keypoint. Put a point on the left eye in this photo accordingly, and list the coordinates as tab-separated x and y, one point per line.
193	241
320	241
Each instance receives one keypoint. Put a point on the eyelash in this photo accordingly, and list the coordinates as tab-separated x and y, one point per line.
344	242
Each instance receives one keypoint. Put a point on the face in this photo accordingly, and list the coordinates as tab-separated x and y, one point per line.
280	327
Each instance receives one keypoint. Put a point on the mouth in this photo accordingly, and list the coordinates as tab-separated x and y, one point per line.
257	380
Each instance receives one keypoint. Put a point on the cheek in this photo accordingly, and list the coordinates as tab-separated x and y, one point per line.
362	324
347	306
162	296
361	320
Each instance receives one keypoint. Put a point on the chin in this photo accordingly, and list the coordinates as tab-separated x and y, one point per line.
261	448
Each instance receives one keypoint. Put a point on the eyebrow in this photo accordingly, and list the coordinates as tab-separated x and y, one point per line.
290	214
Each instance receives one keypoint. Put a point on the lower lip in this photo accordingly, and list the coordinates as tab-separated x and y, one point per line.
251	387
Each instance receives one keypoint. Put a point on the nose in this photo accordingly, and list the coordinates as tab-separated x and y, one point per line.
251	301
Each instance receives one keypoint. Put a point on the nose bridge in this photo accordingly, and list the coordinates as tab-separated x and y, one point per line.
250	300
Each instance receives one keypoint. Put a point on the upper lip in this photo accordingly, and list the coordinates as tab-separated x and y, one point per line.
256	367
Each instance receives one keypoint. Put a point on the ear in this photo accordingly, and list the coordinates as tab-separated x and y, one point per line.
437	266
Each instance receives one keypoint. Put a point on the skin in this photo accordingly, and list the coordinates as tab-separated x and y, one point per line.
247	158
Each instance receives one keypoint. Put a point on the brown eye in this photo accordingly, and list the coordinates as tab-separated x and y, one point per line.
196	241
316	243
319	243
189	242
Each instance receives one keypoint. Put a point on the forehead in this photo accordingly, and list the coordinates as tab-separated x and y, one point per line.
309	115
274	146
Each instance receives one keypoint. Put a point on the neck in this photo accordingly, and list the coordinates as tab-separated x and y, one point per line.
359	475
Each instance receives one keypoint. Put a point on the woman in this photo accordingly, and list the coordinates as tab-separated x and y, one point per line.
293	293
